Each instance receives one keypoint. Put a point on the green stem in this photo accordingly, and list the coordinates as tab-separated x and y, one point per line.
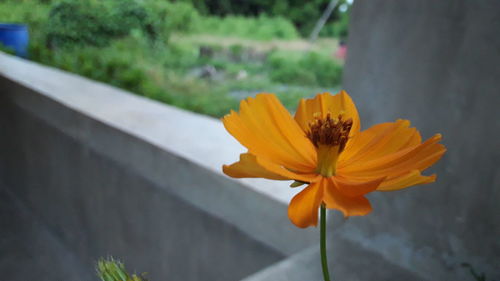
324	262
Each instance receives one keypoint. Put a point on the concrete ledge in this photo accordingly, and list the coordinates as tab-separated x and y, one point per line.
145	129
113	173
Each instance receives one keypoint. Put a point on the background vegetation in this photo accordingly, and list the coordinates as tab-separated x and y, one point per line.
200	55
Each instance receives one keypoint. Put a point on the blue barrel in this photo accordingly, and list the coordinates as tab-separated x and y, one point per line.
16	37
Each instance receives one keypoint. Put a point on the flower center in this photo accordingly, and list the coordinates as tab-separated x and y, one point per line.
329	136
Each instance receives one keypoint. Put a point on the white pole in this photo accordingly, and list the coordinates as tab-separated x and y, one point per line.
321	22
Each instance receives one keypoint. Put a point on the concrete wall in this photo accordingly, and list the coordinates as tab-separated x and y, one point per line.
435	63
107	172
110	173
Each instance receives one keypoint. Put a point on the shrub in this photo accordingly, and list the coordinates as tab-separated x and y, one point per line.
304	69
127	64
261	28
28	12
294	74
178	16
97	23
303	14
111	65
180	56
199	95
325	69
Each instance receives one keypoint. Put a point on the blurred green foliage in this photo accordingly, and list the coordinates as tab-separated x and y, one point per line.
128	44
261	28
7	49
305	69
303	14
24	11
97	23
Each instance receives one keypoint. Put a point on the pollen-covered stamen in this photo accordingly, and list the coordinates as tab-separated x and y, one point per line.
330	136
330	131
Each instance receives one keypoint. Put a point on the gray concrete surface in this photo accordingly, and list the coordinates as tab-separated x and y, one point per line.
346	261
435	63
102	190
107	172
29	248
110	121
99	208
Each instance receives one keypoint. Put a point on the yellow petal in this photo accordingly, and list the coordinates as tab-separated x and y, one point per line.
419	157
349	206
352	188
378	141
324	104
303	209
401	169
275	121
251	166
409	179
266	128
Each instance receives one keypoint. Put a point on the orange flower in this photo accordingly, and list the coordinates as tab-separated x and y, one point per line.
324	147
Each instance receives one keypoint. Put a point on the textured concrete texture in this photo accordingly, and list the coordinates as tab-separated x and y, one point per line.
97	167
435	63
103	172
29	248
181	151
109	173
346	261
